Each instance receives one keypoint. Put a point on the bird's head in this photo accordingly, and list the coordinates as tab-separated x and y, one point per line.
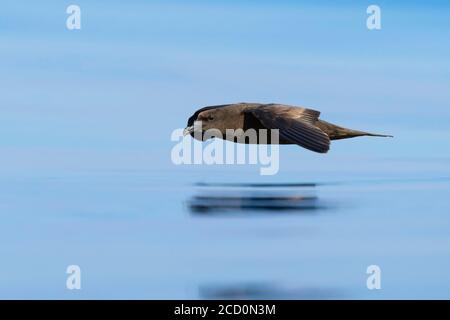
218	118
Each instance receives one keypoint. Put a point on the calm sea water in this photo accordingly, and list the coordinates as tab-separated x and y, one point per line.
86	176
142	235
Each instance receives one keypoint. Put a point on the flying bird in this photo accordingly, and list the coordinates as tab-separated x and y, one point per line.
296	125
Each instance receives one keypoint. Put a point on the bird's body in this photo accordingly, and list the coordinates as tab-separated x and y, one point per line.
296	125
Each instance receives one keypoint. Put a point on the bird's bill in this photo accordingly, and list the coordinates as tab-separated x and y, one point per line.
188	130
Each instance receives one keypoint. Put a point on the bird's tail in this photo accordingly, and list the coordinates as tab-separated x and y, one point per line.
356	133
336	132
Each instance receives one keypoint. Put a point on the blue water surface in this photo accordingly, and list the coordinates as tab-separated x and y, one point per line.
86	176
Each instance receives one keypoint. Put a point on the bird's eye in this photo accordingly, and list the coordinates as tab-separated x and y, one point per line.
210	117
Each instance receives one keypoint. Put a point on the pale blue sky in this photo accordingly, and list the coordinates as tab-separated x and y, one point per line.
136	72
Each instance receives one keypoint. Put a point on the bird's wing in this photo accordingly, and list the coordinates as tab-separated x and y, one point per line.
296	125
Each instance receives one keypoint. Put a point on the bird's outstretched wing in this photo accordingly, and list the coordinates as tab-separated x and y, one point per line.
296	125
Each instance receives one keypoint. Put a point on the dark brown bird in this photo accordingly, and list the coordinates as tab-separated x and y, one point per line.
297	125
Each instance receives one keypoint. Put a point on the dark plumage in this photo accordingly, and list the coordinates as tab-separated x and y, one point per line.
296	125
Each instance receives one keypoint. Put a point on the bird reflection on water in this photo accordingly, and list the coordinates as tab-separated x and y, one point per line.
265	291
254	197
